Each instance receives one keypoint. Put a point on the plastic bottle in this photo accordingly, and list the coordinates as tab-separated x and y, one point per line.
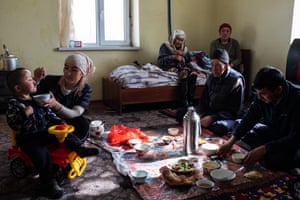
191	131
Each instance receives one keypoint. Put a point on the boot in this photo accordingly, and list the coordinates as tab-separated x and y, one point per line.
52	189
184	92
86	152
191	89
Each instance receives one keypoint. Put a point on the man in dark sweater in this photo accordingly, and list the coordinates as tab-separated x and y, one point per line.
271	126
222	100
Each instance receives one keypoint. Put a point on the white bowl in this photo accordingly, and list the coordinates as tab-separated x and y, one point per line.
173	131
133	142
41	98
208	166
139	176
209	148
238	157
167	139
222	174
205	184
142	148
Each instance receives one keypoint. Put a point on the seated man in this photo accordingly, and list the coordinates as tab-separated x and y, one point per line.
271	126
222	100
174	56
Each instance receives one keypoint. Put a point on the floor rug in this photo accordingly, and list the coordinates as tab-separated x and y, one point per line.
170	112
100	179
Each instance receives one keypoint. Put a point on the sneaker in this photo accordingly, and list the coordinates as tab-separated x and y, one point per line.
86	152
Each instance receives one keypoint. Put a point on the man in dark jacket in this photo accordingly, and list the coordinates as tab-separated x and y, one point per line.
222	100
271	126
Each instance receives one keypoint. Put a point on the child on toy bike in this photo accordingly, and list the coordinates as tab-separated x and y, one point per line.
30	121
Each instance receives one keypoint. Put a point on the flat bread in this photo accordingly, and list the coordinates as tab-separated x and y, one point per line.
253	174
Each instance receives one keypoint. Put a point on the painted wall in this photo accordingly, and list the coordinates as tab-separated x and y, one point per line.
29	28
262	26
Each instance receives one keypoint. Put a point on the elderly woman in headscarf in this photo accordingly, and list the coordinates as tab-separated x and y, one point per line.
232	46
174	56
70	93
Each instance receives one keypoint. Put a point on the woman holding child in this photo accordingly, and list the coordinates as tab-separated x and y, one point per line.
70	92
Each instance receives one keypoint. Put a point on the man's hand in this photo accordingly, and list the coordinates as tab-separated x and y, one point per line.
227	146
254	155
206	121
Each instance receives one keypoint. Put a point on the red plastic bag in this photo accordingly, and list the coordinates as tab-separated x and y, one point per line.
120	134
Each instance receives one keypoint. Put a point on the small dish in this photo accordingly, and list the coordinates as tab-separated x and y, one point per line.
133	142
141	149
139	176
41	98
208	166
205	184
222	175
209	148
173	131
167	139
238	157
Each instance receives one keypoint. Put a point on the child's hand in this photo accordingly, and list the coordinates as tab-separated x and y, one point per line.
28	110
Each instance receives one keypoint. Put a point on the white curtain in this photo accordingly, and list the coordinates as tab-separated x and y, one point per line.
66	23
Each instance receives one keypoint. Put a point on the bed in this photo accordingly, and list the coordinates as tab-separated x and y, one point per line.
116	95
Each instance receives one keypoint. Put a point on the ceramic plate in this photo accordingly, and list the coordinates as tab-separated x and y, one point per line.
222	175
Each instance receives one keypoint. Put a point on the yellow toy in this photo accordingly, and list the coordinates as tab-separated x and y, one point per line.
60	155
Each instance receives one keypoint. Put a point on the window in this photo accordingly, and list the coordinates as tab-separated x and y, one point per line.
98	24
296	24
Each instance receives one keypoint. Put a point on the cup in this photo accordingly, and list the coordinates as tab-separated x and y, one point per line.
96	128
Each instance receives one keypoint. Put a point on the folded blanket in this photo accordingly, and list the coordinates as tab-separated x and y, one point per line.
148	75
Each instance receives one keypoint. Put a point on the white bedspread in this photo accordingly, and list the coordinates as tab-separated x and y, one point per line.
149	75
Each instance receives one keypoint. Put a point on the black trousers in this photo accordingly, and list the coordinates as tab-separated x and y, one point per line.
36	147
81	125
187	88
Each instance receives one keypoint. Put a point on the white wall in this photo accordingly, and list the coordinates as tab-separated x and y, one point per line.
29	28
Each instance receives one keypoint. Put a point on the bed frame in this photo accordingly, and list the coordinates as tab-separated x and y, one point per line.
116	97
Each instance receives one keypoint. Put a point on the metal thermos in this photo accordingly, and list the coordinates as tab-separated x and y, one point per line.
191	131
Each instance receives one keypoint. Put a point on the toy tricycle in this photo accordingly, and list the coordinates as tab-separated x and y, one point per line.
67	160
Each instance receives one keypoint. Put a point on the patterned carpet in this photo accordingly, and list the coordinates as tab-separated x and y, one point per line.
100	180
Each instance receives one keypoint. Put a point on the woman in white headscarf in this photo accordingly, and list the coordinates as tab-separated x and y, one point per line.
70	93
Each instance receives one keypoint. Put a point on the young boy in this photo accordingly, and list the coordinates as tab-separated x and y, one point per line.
30	122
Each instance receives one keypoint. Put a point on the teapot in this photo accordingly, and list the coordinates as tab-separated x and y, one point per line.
96	128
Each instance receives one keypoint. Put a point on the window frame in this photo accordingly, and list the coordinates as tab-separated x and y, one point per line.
131	38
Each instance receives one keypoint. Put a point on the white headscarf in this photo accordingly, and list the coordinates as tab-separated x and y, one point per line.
82	61
86	66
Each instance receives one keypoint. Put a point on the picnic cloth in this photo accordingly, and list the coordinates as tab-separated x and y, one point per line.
270	186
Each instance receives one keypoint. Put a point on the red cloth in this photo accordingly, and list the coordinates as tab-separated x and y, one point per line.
120	134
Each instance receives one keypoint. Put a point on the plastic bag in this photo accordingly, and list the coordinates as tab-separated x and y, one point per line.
120	134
